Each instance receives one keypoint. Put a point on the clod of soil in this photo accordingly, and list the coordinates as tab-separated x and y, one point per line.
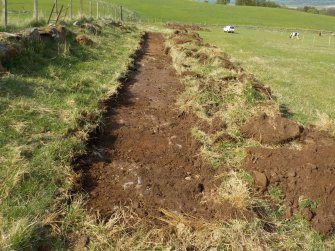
62	31
202	57
146	158
84	40
306	175
261	181
263	89
217	125
48	33
193	27
271	130
183	37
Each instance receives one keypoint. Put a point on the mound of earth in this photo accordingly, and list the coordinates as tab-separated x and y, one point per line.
306	175
146	158
271	129
84	40
193	27
184	36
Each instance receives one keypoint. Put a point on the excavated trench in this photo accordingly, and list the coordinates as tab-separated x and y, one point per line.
145	158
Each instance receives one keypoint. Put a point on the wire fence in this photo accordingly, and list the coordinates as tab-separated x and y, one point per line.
19	12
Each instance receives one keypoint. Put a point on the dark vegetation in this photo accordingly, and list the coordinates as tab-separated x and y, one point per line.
261	3
314	10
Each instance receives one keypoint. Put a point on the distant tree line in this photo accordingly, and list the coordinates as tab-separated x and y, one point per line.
268	3
262	3
312	9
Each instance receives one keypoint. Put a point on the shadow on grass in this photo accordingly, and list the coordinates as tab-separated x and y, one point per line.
123	98
34	61
285	111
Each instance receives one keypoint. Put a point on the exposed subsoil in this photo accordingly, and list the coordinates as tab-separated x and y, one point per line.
272	129
305	173
145	158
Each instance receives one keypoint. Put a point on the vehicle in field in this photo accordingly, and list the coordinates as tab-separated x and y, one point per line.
229	29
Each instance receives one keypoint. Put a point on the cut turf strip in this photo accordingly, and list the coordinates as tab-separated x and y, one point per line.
146	158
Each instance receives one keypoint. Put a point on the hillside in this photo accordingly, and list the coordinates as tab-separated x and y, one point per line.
194	12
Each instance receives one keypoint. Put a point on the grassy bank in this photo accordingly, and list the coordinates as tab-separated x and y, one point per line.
49	101
301	72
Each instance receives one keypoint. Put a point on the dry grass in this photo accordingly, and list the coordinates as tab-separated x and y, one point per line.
235	190
216	87
325	123
213	91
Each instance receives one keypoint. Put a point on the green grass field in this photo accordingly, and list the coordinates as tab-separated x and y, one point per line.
20	12
44	101
185	11
300	72
194	12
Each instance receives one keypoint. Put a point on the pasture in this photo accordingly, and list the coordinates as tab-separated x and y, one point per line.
187	11
300	72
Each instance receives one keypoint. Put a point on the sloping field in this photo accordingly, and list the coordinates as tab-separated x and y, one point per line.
193	12
301	72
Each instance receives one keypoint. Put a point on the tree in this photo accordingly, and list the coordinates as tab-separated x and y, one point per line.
330	12
222	1
246	2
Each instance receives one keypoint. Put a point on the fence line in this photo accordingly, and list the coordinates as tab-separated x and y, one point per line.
4	13
36	10
31	10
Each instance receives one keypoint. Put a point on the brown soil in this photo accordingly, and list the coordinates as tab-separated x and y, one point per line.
84	40
271	130
305	175
193	27
145	158
265	90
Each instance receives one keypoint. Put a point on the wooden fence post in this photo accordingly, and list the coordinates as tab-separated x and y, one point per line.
70	7
91	9
36	10
121	13
56	5
97	9
81	8
4	13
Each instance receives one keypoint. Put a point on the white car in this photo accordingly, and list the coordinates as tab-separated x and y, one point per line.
229	29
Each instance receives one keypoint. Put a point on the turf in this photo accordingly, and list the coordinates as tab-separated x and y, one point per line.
300	72
194	12
49	102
